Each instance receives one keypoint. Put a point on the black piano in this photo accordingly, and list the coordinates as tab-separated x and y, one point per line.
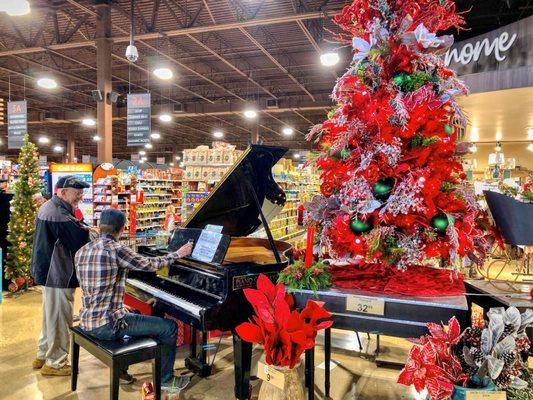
208	295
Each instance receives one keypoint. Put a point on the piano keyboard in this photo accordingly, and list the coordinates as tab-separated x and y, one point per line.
169	298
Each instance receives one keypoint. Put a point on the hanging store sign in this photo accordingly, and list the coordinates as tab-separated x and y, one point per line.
17	123
139	119
505	48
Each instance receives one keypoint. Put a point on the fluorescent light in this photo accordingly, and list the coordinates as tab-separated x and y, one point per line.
329	59
296	156
44	140
144	158
165	117
58	148
88	122
155	135
288	131
97	138
218	134
250	114
15	8
163	73
498	147
47	83
178	158
171	164
142	153
473	148
530	146
141	161
148	146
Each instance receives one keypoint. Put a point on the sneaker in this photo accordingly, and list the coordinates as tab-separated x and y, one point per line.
37	363
179	382
125	378
65	370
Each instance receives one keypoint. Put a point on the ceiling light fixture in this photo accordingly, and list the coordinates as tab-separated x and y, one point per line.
171	164
44	140
15	8
142	152
58	148
329	59
88	122
498	146
165	117
148	145
178	158
181	164
163	73
144	158
47	83
155	135
250	114
288	131
97	138
218	134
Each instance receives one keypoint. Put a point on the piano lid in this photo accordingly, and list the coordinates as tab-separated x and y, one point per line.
231	203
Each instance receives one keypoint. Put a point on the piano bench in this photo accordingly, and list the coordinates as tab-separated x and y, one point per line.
117	355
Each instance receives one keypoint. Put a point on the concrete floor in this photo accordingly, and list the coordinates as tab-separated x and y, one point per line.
355	377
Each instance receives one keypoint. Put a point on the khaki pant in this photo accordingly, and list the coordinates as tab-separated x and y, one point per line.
54	340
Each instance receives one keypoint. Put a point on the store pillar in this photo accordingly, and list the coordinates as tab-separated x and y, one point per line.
71	149
103	76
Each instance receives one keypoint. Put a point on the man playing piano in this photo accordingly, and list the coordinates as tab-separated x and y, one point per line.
101	267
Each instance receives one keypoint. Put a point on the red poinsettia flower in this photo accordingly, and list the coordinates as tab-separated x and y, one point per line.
284	334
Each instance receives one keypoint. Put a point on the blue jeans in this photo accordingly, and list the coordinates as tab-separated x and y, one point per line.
163	331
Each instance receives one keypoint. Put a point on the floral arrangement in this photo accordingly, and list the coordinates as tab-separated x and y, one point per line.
284	332
476	358
298	276
392	185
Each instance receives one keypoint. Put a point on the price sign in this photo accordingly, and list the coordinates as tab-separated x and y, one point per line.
365	305
482	395
138	122
270	375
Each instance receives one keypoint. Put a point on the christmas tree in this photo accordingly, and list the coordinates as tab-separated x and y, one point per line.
24	211
392	183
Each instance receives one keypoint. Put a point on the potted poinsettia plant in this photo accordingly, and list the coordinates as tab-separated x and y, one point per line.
284	333
448	363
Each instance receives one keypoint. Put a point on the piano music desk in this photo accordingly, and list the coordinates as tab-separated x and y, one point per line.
395	315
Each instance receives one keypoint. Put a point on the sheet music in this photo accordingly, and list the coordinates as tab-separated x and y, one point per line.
206	246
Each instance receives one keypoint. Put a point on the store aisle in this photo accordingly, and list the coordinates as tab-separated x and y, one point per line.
353	378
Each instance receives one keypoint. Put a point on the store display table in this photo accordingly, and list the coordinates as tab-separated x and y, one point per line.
381	314
488	294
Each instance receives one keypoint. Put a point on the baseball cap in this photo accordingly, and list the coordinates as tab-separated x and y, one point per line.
112	217
70	181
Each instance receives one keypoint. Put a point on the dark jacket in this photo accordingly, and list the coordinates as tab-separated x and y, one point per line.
58	236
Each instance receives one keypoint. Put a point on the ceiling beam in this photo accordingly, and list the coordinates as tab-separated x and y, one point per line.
175	32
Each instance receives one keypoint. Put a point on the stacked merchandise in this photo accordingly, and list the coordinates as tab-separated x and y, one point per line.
204	167
300	185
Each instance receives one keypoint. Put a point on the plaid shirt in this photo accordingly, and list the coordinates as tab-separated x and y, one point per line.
101	267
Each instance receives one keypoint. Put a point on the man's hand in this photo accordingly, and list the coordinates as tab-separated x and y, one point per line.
185	250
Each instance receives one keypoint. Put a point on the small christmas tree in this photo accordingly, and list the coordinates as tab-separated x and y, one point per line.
24	211
392	183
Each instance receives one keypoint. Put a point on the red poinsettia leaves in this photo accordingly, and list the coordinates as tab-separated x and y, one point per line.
249	332
285	335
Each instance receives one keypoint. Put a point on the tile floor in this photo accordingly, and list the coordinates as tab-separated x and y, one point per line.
355	377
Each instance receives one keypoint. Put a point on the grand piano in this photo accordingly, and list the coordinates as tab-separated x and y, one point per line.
208	295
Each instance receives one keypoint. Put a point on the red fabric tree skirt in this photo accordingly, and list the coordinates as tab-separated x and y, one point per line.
416	281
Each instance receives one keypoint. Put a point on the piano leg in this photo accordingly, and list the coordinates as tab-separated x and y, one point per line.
327	359
242	353
203	351
198	365
193	342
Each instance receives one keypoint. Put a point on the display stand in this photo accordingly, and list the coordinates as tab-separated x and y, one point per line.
382	314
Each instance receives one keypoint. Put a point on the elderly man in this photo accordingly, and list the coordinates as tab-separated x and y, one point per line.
102	266
58	236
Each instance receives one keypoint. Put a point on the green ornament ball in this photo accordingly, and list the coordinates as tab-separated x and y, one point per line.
448	129
383	188
398	80
358	227
441	221
345	153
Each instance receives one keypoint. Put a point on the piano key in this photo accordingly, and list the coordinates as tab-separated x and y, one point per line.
165	296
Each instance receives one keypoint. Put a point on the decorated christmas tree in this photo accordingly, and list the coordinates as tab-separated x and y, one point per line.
22	222
393	195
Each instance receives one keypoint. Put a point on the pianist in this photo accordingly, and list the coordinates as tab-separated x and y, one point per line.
101	267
